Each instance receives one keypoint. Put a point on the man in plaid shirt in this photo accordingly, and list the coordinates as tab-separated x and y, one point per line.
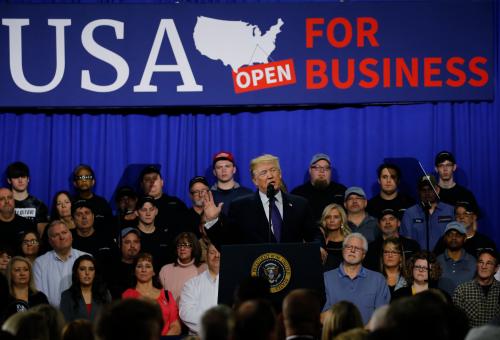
480	297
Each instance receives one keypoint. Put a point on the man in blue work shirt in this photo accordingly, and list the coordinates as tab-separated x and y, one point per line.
426	221
352	282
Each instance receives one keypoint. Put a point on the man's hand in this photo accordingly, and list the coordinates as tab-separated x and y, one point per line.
210	210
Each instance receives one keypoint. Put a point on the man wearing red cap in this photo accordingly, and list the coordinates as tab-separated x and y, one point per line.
226	189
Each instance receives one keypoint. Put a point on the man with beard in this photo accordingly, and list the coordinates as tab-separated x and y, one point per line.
458	266
358	219
352	282
426	221
226	189
389	176
320	190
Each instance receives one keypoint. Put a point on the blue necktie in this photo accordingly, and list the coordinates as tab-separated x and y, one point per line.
276	219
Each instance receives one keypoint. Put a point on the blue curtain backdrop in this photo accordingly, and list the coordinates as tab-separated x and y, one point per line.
358	139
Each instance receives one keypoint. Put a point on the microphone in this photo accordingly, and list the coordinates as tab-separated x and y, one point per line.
270	190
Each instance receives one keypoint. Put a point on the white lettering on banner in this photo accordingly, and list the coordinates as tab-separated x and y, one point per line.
182	66
101	53
272	74
16	54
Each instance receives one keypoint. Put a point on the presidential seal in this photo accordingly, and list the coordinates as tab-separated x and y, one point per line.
274	268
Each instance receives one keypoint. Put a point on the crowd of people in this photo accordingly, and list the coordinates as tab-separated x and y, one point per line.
394	266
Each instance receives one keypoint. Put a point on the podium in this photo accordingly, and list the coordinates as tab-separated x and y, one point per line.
286	266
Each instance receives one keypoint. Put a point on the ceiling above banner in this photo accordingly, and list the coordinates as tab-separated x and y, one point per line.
160	55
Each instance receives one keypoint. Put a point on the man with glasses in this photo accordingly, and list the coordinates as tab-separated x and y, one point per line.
358	219
451	192
320	190
198	192
84	182
226	189
352	282
480	298
248	217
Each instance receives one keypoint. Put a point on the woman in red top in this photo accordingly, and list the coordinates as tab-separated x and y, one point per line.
145	288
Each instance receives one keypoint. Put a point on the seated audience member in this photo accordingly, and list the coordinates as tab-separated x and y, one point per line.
458	266
429	210
11	224
53	269
130	319
54	319
301	314
392	263
6	254
226	189
30	245
22	291
255	319
320	190
450	191
80	329
251	288
353	334
334	225
28	206
120	274
171	215
87	294
154	239
217	323
388	223
352	282
377	321
422	272
28	325
200	293
146	287
480	297
475	241
173	276
126	200
84	182
341	317
61	208
389	176
86	237
358	219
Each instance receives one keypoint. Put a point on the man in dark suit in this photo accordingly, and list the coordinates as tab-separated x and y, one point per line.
248	217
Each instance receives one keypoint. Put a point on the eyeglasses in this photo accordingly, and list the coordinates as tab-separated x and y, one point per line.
488	263
31	242
353	248
421	268
391	252
84	178
263	173
184	245
320	168
199	192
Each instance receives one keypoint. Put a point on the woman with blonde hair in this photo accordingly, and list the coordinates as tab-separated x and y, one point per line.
334	226
341	317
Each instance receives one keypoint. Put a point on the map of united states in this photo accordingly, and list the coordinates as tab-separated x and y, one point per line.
235	43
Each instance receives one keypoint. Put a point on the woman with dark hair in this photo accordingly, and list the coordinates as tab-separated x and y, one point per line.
61	208
421	273
87	293
30	245
333	224
392	261
341	317
146	287
188	264
22	291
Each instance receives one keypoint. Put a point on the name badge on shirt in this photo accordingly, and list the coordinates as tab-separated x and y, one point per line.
444	219
418	220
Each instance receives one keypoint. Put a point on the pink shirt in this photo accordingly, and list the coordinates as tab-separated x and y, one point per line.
173	277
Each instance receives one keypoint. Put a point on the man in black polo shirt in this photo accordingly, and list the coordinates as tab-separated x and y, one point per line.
388	223
12	226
